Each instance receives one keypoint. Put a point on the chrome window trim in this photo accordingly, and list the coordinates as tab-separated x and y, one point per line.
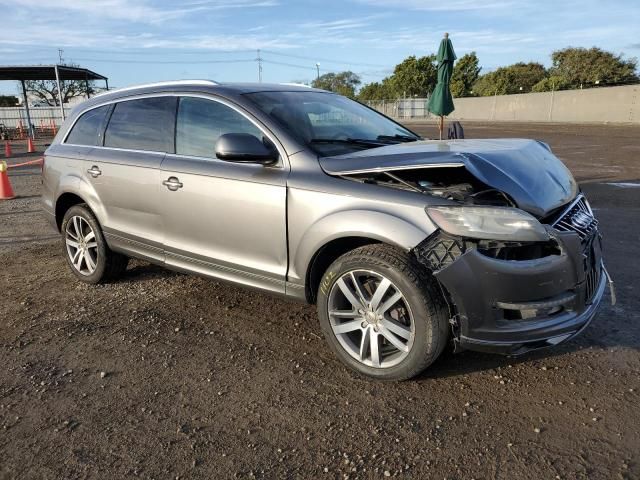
210	97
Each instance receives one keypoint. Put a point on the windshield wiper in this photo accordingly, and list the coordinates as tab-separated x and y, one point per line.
399	138
351	141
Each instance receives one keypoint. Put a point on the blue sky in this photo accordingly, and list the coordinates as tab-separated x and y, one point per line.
136	41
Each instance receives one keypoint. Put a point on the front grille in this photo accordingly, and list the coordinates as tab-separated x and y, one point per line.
593	279
578	218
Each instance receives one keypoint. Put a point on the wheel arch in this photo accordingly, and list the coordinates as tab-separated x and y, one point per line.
63	203
75	190
336	234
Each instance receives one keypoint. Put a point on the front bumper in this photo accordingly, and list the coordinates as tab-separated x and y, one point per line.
514	306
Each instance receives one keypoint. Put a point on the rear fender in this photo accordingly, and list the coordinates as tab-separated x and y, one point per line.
79	186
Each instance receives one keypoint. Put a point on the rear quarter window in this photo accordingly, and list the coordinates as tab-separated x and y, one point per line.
144	124
89	127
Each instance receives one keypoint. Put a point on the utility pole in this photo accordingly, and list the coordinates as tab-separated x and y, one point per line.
259	60
61	60
318	71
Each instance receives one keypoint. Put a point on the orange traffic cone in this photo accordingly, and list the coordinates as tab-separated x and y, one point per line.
6	192
30	147
7	149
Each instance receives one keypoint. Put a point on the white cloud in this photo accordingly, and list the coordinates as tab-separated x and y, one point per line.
141	11
13	37
335	25
438	5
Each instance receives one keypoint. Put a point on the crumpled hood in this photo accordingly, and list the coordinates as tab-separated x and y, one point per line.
524	169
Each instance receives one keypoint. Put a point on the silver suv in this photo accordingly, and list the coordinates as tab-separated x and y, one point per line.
403	244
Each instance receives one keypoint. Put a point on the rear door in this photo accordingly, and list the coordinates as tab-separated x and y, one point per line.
125	173
223	219
84	136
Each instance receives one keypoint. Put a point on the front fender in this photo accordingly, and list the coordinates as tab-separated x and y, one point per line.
371	224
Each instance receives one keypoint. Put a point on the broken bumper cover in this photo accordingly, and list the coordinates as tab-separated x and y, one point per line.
512	307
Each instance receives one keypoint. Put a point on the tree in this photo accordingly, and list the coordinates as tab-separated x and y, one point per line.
414	76
552	83
376	91
517	78
465	74
47	90
8	101
344	83
579	66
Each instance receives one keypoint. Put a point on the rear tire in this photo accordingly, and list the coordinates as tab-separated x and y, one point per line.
87	253
396	310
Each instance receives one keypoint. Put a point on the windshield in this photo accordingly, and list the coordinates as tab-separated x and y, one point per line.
330	124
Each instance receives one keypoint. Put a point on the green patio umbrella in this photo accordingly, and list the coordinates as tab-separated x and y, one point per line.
441	102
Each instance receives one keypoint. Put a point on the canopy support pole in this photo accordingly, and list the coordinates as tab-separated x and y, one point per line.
441	126
26	108
59	92
86	85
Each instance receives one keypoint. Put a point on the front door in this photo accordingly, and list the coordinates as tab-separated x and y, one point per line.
222	219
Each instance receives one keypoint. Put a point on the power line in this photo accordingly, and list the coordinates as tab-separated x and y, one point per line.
315	68
340	62
292	65
163	62
126	51
204	52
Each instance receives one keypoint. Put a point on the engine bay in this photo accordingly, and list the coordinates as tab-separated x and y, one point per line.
451	183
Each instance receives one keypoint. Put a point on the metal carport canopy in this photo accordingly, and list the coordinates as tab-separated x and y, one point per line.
22	73
47	72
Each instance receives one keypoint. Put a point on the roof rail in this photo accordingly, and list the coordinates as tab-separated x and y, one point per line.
293	84
162	84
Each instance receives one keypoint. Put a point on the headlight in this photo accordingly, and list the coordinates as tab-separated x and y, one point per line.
492	223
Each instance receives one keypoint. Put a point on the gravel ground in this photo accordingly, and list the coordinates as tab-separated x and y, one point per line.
163	375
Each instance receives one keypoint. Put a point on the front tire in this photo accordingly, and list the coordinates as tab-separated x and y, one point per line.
382	314
87	253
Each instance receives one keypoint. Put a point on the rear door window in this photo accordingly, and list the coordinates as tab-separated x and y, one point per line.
89	127
144	124
201	122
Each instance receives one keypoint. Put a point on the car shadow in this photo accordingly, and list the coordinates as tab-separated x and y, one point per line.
139	270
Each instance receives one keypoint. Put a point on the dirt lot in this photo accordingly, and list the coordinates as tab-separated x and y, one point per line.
205	380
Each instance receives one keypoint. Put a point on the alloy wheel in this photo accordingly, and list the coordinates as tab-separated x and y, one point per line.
371	318
82	246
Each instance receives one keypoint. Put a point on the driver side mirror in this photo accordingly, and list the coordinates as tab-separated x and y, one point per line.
244	148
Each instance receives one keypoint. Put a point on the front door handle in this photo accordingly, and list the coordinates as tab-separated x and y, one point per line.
172	183
94	171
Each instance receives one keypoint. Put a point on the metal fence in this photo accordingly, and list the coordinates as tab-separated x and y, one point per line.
44	120
404	108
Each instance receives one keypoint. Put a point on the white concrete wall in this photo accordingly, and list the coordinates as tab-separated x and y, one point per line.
607	104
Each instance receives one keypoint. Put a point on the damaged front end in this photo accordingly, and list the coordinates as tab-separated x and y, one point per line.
516	251
512	296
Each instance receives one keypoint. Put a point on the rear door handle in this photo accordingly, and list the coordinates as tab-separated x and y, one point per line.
172	183
94	171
